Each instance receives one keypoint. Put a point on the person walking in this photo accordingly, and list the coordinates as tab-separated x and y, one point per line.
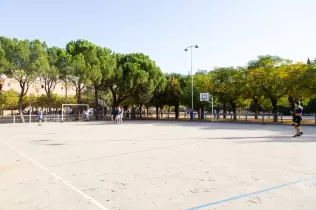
297	118
191	115
39	117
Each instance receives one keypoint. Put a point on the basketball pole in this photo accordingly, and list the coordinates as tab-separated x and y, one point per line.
207	99
212	107
212	110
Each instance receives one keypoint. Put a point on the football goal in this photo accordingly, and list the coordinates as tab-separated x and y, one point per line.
71	109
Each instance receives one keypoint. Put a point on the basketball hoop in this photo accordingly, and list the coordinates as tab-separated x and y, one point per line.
206	98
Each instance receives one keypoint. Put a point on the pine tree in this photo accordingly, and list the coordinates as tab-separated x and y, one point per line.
309	61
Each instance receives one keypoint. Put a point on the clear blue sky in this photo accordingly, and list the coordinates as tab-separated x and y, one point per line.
229	32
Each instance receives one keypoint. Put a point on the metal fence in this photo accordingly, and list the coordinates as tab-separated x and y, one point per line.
46	118
262	118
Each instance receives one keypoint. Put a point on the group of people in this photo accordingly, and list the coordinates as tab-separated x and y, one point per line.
117	115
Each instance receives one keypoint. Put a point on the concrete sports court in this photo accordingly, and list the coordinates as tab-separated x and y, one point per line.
155	165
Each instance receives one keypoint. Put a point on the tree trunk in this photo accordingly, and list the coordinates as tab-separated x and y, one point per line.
176	110
292	100
199	113
234	107
256	107
161	111
140	112
224	110
157	112
202	113
96	104
133	112
79	95
21	108
49	101
274	102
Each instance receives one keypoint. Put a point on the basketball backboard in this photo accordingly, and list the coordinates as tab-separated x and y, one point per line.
204	97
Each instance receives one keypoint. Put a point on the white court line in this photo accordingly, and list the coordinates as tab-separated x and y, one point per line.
95	202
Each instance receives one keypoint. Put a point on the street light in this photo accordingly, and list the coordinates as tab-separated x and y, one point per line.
186	49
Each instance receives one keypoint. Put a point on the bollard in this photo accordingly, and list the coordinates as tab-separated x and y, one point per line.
13	119
315	119
246	116
281	117
262	118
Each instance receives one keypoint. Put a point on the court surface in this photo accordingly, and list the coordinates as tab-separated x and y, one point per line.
151	165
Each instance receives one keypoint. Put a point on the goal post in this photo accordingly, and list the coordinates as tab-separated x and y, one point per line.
70	105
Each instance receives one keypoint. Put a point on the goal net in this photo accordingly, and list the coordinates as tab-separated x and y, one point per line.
73	112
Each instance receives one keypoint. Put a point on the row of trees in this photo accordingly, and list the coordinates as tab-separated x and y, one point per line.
134	80
81	65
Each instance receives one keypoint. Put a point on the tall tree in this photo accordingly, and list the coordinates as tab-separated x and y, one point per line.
2	64
25	60
252	90
63	65
102	71
159	100
271	74
229	83
297	83
83	62
50	74
173	93
309	61
135	77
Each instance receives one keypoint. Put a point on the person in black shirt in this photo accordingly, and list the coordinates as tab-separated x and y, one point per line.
297	118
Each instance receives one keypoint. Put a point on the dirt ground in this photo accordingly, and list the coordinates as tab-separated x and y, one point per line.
152	165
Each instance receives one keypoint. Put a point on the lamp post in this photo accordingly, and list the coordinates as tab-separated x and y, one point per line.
186	49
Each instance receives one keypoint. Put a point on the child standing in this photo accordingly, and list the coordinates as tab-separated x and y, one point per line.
39	117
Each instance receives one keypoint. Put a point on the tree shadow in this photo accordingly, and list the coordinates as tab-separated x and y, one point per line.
271	139
296	140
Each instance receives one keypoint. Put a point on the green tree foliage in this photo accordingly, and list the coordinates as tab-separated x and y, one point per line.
9	100
228	83
271	74
135	77
83	62
159	100
201	84
269	83
25	59
173	93
101	72
50	74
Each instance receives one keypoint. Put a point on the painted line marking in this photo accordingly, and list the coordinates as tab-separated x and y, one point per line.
250	194
92	200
